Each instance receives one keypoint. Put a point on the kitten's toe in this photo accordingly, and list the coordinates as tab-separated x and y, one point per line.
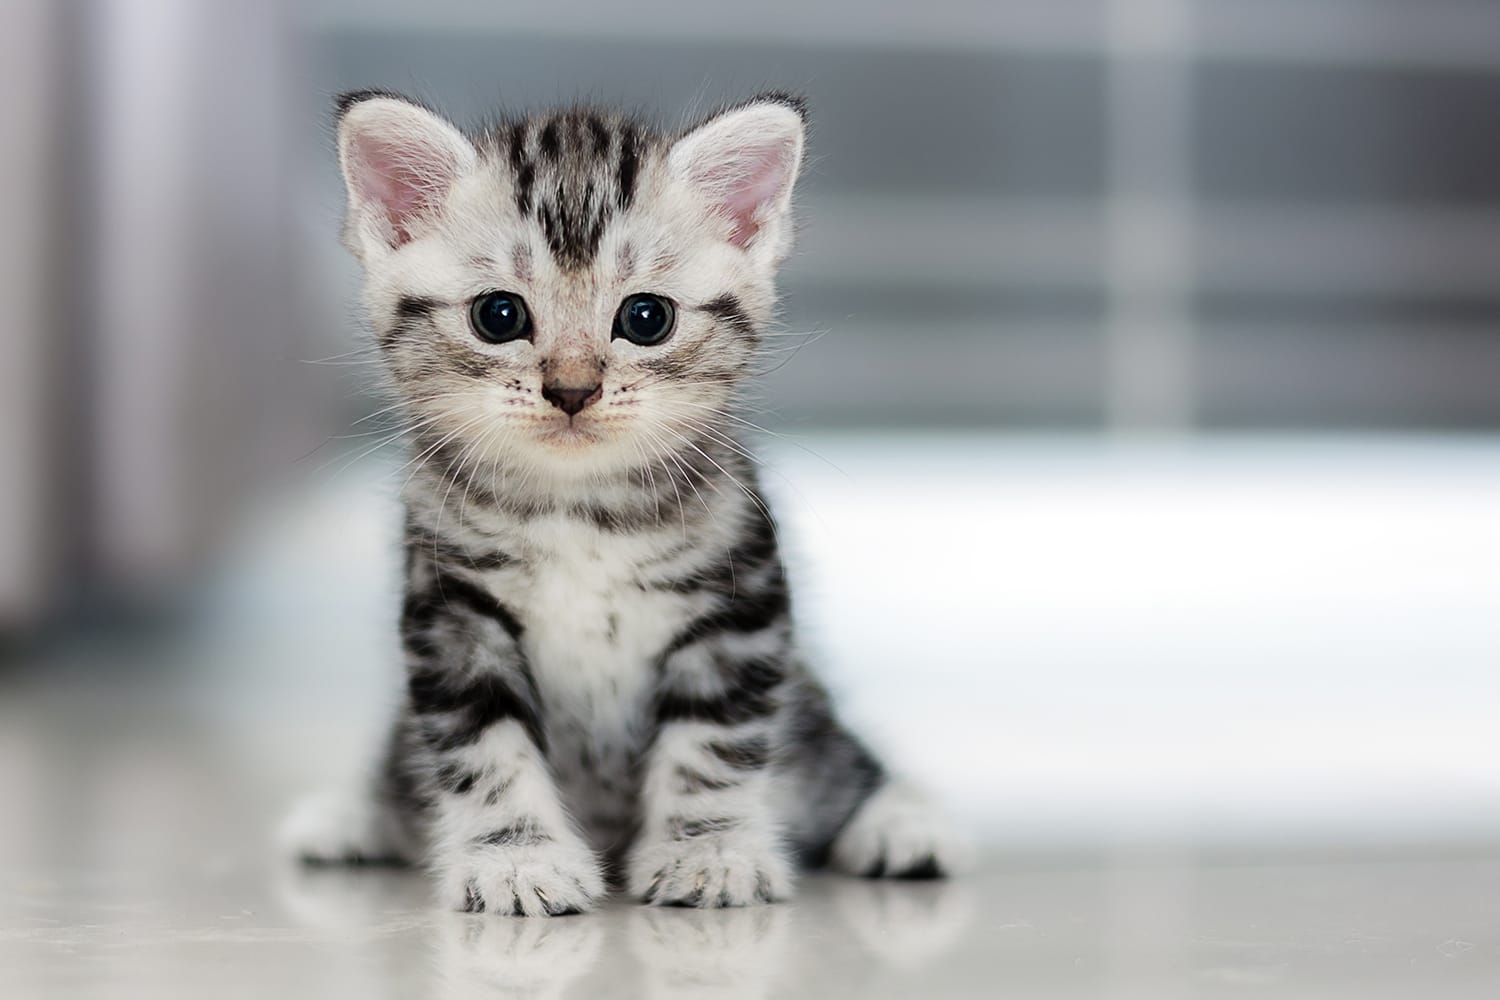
899	833
549	878
339	829
725	868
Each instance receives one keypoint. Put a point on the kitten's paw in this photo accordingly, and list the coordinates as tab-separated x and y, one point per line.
899	833
531	876
340	829
710	869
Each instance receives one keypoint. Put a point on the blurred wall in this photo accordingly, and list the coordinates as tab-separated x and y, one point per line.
1165	215
147	280
27	196
1161	214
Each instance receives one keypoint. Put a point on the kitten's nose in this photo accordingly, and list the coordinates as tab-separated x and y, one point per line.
572	400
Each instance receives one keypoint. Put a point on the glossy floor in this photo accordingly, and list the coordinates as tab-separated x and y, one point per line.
1286	648
224	925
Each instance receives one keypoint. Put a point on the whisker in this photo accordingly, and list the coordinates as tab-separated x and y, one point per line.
763	430
422	458
671	478
356	353
402	432
688	476
754	498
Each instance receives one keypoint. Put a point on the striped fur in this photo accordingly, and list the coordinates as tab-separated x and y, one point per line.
603	674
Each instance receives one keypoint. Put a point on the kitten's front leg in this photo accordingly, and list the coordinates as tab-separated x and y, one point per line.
501	841
709	828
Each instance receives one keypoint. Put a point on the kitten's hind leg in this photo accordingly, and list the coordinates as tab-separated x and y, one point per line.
898	832
343	828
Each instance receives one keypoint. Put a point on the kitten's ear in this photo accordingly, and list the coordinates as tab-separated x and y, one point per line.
399	162
746	161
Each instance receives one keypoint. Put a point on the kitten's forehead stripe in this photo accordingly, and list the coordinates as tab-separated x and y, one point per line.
517	145
601	135
572	172
548	145
629	164
524	179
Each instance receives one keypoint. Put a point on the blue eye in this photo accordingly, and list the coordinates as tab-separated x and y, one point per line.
644	319
498	317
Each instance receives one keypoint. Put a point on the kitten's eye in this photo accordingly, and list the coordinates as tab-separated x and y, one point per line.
644	319
498	317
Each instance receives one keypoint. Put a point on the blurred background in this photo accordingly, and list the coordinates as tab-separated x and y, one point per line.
1153	376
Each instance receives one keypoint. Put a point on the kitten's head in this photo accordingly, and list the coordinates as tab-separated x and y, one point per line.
573	293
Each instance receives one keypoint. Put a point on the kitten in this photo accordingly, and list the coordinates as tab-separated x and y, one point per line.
602	674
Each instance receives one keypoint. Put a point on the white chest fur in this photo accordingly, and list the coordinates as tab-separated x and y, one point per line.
592	635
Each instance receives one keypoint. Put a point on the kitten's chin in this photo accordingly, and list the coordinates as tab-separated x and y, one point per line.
569	438
573	451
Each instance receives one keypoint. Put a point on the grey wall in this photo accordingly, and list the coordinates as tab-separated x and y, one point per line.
1136	213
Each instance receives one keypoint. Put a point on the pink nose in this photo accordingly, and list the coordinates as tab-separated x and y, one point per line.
572	400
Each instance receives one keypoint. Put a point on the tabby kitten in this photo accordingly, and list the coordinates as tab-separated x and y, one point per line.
601	669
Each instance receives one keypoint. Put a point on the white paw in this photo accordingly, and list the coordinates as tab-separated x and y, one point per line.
899	833
339	828
545	877
710	869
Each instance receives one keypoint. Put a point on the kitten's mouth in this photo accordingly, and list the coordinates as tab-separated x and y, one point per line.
569	433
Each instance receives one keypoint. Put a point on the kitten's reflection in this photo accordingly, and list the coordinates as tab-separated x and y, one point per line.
737	953
683	954
483	955
905	925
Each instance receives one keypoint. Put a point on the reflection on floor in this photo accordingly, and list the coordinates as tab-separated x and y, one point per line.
843	937
1037	928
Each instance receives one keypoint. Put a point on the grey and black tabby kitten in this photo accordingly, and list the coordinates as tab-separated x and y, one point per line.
602	673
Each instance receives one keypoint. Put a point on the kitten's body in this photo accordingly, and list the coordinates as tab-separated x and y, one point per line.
601	662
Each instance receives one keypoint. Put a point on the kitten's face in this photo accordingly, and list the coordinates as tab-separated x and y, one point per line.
572	295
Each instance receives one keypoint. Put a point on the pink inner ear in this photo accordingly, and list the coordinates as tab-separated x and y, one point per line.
754	191
406	179
746	183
